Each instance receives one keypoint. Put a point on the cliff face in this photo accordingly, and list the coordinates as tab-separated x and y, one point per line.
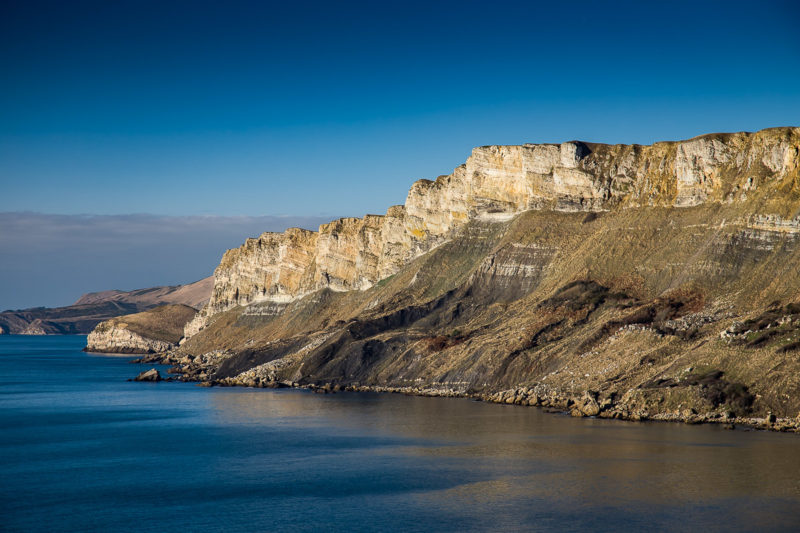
116	338
152	331
495	184
619	281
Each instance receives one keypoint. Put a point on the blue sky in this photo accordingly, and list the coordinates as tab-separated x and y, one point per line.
51	260
328	109
262	108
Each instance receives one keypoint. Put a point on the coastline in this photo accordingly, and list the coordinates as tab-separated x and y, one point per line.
135	449
582	404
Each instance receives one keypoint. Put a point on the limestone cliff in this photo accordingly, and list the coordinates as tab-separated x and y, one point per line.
152	331
616	281
116	338
497	183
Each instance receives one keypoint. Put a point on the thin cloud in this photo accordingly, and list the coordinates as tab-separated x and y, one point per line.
51	260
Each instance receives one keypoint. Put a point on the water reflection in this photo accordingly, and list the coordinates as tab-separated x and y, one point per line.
82	449
518	456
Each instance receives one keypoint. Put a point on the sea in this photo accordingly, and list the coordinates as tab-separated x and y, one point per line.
83	449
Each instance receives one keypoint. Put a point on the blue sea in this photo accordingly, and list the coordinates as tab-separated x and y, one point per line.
82	449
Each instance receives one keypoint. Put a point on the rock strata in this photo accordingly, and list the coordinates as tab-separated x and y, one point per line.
497	183
628	282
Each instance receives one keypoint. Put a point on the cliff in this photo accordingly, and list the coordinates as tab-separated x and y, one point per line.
152	331
621	281
497	183
92	308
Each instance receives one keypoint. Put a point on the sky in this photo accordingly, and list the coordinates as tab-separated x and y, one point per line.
51	260
290	109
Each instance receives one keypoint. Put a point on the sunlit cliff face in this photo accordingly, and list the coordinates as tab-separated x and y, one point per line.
496	183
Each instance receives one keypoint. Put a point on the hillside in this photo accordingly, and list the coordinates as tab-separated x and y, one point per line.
193	294
625	281
93	308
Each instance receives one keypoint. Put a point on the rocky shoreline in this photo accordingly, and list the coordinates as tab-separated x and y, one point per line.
587	404
615	281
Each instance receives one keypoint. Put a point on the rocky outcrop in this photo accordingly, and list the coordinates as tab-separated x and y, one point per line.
635	282
495	184
116	338
34	328
148	375
153	331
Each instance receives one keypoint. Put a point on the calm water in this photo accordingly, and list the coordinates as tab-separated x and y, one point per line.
82	449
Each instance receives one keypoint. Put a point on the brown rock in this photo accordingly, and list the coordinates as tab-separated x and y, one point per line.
148	375
588	406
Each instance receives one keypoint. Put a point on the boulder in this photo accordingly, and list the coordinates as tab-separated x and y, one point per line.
148	375
587	405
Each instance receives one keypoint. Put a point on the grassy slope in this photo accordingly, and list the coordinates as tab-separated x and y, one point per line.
164	323
632	304
498	307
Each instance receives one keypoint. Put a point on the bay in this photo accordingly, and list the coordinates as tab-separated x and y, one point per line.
82	449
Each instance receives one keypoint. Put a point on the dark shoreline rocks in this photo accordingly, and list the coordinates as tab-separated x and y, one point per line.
589	404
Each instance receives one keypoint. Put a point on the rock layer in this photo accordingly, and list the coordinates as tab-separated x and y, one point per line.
497	183
612	298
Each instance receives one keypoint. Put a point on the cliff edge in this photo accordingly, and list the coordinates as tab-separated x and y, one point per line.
618	281
495	184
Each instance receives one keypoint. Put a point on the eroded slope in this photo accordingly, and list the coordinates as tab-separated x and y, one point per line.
651	310
626	281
